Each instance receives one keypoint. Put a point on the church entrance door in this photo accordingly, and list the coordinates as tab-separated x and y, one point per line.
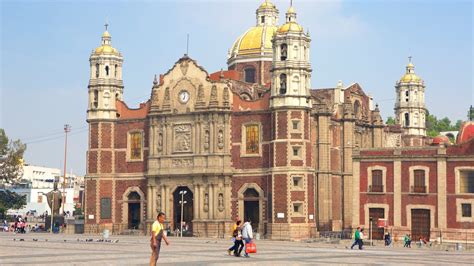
134	210
183	200
252	207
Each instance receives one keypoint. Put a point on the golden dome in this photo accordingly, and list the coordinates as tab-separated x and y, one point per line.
410	75
106	49
266	4
252	40
290	26
291	10
106	34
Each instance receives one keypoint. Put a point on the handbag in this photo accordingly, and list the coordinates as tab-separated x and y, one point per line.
251	247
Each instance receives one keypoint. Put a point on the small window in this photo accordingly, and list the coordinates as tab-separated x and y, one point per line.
419	181
406	93
96	70
298	208
283	52
466	210
252	139
283	84
262	19
250	75
107	70
295	52
377	181
115	70
467	182
96	98
297	181
296	151
296	124
407	119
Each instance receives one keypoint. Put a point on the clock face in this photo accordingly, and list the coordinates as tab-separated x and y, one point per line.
184	96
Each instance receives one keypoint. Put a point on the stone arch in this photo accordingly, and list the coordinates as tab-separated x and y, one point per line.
125	202
261	200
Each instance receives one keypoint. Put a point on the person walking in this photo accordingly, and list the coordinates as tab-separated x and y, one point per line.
235	232
157	234
388	239
361	238
407	241
247	234
356	237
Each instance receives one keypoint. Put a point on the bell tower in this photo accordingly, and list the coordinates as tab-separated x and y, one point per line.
293	212
410	109
105	82
291	71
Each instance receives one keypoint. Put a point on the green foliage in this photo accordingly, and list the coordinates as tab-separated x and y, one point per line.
390	121
435	126
11	159
11	200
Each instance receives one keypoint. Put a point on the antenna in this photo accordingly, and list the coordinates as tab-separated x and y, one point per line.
187	45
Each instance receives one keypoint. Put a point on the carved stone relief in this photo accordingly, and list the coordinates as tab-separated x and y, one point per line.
184	67
182	162
158	203
182	138
220	139
221	202
206	140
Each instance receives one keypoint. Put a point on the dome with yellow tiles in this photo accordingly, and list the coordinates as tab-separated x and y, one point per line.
410	75
106	47
255	41
291	26
266	4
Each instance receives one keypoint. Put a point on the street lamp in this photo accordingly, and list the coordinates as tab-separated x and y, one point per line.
67	128
182	202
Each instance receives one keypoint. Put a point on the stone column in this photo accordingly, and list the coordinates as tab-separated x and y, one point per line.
324	178
397	190
211	201
149	198
356	194
442	187
196	201
347	172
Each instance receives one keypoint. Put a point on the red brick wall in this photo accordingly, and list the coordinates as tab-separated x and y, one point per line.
280	196
281	154
92	167
297	219
90	195
296	115
282	125
296	162
336	198
451	196
106	162
310	191
122	166
406	175
257	65
94	135
106	132
297	195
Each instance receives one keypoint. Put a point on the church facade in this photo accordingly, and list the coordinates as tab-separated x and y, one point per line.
252	141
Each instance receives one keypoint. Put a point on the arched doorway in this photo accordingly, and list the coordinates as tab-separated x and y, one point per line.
185	195
252	207
134	201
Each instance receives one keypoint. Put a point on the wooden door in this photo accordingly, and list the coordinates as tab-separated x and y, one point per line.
420	224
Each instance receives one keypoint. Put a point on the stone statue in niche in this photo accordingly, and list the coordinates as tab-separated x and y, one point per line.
158	203
167	94
226	94
160	141
206	140
154	98
206	202
221	202
220	139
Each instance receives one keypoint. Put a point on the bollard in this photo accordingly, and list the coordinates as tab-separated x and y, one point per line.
105	233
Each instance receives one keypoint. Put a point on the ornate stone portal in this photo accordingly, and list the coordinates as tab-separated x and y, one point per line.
193	150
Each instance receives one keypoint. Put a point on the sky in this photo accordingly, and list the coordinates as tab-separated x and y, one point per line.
45	49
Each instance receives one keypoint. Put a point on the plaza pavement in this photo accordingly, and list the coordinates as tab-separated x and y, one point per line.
135	250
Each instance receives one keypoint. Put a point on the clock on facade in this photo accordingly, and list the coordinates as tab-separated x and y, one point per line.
184	96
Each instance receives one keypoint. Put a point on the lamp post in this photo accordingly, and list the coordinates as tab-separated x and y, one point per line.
182	202
67	129
370	229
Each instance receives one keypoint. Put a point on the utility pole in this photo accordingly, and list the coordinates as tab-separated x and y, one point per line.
182	192
67	129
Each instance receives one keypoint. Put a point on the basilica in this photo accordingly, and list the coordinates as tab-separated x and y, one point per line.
254	141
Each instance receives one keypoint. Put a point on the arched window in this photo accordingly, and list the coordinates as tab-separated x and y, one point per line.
107	70
283	84
249	75
115	71
283	52
251	193
262	19
134	196
96	70
305	53
357	109
407	119
96	98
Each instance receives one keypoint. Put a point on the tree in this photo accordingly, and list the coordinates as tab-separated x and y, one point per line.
11	200
435	126
390	121
11	159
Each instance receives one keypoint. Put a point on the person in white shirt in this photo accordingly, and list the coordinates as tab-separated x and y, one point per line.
247	234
